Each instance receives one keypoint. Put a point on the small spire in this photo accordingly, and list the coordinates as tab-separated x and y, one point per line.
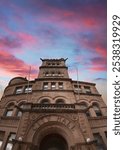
41	59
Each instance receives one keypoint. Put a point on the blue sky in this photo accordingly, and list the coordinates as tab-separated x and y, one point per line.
34	29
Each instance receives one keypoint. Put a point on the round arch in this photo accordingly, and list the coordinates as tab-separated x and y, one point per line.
53	142
65	100
44	97
42	127
13	102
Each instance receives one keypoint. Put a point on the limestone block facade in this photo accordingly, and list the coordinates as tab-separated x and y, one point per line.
52	112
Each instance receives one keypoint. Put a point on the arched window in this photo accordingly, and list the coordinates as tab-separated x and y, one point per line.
85	106
9	110
97	109
45	101
47	74
19	112
60	101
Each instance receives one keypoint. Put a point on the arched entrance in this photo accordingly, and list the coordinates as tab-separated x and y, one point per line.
53	142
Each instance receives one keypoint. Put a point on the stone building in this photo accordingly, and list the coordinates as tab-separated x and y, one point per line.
52	112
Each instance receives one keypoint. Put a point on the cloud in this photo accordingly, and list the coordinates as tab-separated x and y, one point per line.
8	42
17	41
100	79
11	64
26	38
98	64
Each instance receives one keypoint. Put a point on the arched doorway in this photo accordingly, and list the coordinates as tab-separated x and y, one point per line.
53	142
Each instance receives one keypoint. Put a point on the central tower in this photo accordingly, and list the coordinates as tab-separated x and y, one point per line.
53	68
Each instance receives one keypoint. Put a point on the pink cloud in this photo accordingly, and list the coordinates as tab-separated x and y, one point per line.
26	38
7	42
98	64
17	41
87	17
15	66
97	68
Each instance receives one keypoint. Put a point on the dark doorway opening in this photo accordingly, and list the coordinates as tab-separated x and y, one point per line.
53	142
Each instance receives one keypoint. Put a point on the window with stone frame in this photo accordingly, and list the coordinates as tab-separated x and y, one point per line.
60	84
9	144
28	89
77	87
45	85
53	73
19	90
59	73
9	110
47	74
2	133
97	109
85	106
53	63
87	89
53	85
100	145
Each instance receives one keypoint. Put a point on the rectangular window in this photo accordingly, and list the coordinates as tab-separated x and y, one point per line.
19	90
45	85
2	133
9	145
60	85
53	85
46	74
87	89
99	142
77	87
28	89
9	112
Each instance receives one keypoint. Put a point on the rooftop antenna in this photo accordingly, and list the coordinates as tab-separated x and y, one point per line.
28	81
77	81
77	75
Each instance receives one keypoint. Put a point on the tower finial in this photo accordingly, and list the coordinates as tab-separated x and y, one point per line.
41	59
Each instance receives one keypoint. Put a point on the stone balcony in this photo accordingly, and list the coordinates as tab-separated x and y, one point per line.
48	107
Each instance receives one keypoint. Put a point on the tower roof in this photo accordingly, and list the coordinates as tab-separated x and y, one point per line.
61	59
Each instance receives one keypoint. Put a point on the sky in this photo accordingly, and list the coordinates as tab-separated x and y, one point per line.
73	29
